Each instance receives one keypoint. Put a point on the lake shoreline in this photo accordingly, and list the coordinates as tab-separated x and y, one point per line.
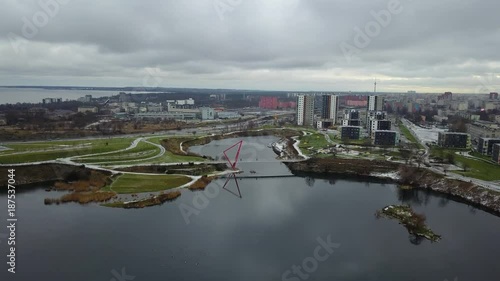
464	192
346	169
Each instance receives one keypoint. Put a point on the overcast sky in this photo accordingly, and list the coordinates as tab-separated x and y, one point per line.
425	45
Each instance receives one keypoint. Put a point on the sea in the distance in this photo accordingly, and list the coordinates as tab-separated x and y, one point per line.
36	95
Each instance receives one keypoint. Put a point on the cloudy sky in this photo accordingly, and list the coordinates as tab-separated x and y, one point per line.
330	45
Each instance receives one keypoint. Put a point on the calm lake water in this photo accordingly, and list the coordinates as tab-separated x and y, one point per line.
275	225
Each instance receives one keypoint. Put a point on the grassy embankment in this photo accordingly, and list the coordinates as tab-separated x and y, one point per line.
343	167
178	169
474	168
88	186
85	186
153	201
310	143
409	136
413	222
169	156
478	169
143	150
134	183
481	156
45	151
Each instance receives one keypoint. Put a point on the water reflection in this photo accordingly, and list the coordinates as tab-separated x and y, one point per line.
258	236
420	197
310	181
415	239
236	193
414	196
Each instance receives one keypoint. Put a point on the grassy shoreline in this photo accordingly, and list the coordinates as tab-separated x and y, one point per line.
135	183
413	222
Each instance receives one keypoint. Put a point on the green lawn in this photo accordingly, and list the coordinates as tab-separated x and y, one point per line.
315	140
269	127
45	151
442	153
362	142
141	151
481	156
478	169
406	132
300	128
132	183
99	145
20	147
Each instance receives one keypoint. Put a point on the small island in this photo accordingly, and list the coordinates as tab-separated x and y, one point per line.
414	223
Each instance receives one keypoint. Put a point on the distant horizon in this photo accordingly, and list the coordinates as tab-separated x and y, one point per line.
159	89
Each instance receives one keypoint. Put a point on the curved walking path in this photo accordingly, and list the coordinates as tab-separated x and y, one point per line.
132	146
160	154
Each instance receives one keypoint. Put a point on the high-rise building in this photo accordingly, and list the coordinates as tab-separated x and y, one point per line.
351	118
495	155
386	138
350	133
351	114
305	110
454	140
493	96
324	124
378	125
330	108
351	122
485	145
376	115
373	116
375	103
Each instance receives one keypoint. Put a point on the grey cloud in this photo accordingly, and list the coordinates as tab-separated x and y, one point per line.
428	45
